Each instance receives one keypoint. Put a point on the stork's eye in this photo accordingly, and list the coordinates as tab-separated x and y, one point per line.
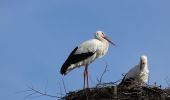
102	33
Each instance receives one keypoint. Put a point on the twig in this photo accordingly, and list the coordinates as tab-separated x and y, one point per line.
27	96
101	77
60	90
108	84
168	81
64	85
43	93
34	93
22	91
46	86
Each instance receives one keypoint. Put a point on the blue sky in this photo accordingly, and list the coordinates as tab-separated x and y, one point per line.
36	36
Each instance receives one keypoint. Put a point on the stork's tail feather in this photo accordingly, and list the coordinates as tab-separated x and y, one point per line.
73	59
64	69
67	62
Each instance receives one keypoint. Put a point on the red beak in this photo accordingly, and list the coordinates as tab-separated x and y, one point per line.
142	62
109	41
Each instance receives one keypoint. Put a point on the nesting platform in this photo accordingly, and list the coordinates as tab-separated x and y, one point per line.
109	91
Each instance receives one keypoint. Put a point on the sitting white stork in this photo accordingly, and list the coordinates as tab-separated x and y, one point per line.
138	74
86	53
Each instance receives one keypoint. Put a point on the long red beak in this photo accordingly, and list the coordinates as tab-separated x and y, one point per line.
142	62
109	41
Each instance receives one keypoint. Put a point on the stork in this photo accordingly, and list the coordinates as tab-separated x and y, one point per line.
86	53
138	74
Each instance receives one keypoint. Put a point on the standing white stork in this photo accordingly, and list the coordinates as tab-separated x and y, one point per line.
138	74
86	53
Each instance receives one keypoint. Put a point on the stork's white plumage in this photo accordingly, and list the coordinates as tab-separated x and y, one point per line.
138	74
86	53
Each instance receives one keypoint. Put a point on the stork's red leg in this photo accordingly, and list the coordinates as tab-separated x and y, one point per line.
84	76
87	80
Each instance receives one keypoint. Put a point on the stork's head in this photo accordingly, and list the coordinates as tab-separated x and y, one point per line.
102	37
143	61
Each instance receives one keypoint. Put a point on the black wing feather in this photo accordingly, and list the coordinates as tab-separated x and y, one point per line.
126	82
74	58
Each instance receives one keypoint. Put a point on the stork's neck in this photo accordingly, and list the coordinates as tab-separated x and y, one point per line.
144	67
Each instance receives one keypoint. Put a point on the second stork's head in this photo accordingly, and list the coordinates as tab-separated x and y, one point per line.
102	37
143	62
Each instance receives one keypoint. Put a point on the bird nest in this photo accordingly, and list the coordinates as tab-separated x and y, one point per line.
109	91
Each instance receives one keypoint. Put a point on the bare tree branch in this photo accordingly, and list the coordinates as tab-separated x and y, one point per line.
168	81
27	96
46	86
101	77
22	91
64	85
43	93
34	93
